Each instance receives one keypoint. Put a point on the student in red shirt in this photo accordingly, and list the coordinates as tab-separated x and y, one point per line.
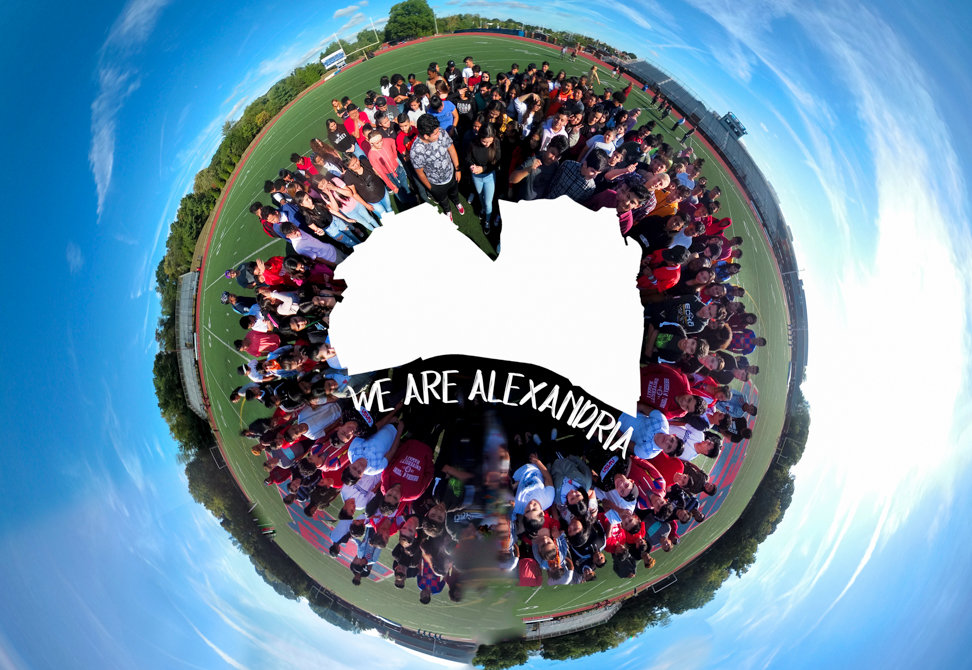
354	125
716	226
668	467
666	389
303	163
256	343
271	272
661	270
407	132
407	476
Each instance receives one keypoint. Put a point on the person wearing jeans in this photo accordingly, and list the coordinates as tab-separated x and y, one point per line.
483	156
436	164
383	206
383	155
343	204
364	181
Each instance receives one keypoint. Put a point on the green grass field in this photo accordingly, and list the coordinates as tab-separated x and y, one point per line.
237	236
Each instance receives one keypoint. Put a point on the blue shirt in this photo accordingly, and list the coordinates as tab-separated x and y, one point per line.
644	430
444	115
733	406
373	449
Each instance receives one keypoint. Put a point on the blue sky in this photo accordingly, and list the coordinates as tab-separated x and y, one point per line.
856	111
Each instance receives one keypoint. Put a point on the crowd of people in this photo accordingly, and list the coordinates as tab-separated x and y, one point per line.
539	499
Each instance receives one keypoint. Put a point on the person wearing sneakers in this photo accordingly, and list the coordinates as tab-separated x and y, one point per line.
436	163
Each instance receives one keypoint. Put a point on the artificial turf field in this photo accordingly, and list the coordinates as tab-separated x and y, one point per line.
236	236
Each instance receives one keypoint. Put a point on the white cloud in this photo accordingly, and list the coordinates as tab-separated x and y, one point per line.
763	126
355	20
75	258
117	80
222	654
854	499
344	11
121	443
633	15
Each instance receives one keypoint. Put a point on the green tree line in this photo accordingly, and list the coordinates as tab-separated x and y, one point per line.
412	19
210	486
731	555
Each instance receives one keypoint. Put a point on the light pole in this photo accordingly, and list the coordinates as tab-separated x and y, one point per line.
435	22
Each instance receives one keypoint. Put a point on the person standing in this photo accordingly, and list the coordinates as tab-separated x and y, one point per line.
384	158
436	164
364	182
483	156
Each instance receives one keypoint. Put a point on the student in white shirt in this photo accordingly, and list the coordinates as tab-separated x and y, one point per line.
533	493
467	71
604	141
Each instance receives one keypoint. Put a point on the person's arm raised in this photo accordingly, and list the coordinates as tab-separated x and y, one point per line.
385	420
519	175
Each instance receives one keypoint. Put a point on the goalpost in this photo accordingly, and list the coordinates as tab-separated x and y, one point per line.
349	56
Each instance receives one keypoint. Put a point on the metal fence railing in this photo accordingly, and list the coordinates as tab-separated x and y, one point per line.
571	624
762	195
188	344
687	102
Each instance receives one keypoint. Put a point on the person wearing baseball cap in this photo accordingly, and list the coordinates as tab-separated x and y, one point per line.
452	75
241	304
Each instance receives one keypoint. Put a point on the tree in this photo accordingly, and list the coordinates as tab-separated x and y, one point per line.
505	654
412	18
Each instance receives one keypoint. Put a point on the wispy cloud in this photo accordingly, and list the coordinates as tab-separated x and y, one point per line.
852	516
355	20
222	654
121	444
75	258
349	10
633	15
117	79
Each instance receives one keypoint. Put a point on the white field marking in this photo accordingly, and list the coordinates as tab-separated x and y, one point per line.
531	596
235	264
240	354
563	606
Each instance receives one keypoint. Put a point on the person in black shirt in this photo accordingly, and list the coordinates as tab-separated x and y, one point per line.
397	94
452	76
483	157
465	107
339	137
688	312
385	127
657	232
362	179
